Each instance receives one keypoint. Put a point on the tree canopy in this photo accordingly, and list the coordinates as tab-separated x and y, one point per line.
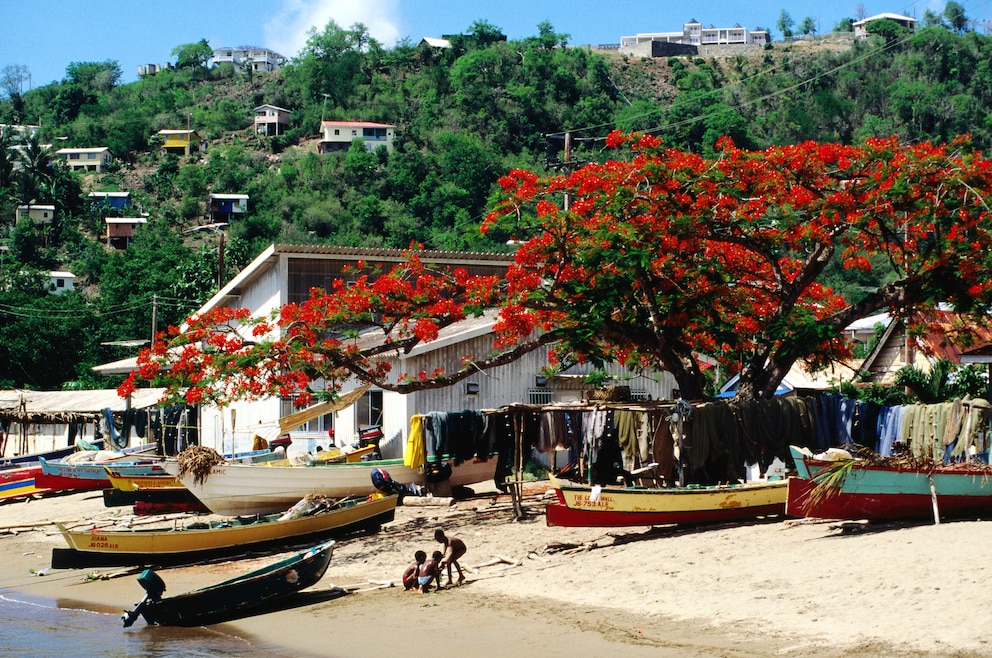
658	259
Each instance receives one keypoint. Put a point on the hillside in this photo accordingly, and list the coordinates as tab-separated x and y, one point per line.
463	117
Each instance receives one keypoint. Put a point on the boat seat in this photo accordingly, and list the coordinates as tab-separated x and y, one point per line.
646	474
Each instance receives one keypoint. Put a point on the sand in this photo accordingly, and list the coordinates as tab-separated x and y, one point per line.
780	587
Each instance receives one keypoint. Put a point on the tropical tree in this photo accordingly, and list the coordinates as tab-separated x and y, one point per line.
660	258
193	55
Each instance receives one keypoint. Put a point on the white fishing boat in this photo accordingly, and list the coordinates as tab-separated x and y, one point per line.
239	489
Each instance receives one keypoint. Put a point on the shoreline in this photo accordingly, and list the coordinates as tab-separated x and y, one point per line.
771	588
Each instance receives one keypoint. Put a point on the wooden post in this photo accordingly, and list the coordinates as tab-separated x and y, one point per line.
516	489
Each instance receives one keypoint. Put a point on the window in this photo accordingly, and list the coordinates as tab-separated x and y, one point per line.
73	156
337	131
91	156
60	283
540	396
368	410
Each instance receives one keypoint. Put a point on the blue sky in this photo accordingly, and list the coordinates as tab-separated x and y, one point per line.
47	35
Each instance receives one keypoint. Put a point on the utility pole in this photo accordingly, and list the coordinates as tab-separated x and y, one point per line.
220	261
567	159
154	319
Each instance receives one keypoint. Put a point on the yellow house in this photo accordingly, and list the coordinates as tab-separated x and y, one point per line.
181	142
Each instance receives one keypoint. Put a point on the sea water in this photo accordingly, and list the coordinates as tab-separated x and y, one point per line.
44	628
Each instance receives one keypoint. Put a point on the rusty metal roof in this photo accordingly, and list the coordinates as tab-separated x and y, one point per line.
58	406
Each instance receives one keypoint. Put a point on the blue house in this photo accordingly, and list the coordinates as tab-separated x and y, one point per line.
115	200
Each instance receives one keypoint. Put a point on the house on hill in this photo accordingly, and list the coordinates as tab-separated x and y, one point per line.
39	214
693	39
114	200
338	135
120	230
180	142
225	207
286	273
861	27
61	281
271	120
86	159
261	60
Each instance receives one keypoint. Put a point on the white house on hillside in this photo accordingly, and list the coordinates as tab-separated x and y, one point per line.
696	34
259	59
860	27
338	135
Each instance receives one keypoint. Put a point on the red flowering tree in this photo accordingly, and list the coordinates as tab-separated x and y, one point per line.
657	259
665	256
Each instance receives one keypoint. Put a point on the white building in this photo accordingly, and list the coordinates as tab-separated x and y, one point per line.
694	33
338	135
286	273
259	59
860	27
86	159
60	281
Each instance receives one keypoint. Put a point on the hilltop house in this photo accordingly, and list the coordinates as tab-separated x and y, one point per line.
259	59
61	281
180	142
860	27
286	273
115	200
39	214
225	207
86	159
338	135
693	39
120	230
271	120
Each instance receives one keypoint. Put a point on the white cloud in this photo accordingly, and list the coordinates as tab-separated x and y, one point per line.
287	29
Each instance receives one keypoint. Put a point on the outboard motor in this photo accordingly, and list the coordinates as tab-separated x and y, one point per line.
387	485
154	587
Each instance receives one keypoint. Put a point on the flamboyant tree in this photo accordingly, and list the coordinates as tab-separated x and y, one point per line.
659	259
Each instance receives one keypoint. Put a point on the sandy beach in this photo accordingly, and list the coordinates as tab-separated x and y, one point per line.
779	587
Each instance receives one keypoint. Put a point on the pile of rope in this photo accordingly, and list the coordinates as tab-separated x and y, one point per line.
198	461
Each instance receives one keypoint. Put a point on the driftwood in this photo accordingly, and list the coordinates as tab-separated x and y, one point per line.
428	501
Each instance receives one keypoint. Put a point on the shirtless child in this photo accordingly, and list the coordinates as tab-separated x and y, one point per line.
454	548
413	571
430	570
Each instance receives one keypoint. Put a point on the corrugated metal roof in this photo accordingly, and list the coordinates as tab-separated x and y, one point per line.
75	402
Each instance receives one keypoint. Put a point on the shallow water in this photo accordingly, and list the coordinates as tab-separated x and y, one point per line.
39	627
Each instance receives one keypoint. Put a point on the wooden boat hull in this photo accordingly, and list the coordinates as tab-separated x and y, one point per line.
120	480
62	475
579	506
154	501
880	493
171	547
233	489
238	596
20	482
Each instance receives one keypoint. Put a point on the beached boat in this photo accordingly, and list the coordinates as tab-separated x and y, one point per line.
124	479
233	598
84	470
860	489
145	502
233	489
584	506
20	482
19	461
197	542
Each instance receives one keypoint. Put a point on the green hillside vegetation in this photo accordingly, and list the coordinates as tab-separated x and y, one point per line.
464	116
